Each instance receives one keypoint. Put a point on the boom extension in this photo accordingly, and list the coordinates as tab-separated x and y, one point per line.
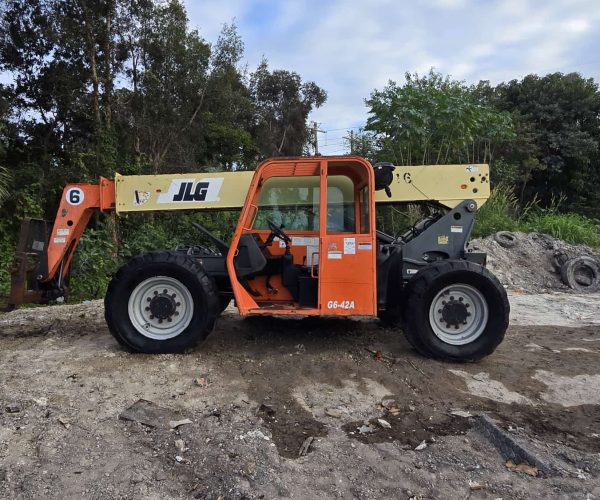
40	268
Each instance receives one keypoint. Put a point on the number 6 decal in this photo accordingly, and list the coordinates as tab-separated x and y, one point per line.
74	196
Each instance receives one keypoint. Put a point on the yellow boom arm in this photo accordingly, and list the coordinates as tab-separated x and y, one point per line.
447	184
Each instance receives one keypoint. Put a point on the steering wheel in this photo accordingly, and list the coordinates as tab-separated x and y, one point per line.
278	231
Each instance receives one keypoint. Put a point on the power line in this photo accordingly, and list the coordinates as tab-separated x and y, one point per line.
345	128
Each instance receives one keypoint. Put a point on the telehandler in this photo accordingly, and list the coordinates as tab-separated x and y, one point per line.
305	244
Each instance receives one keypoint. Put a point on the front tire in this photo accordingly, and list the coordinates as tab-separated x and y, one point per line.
161	302
456	311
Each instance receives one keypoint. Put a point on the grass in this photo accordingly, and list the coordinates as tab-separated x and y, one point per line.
569	227
503	213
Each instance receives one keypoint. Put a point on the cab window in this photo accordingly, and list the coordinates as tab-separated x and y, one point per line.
291	201
340	205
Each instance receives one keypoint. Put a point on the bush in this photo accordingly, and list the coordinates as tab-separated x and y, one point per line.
93	264
7	249
499	213
571	227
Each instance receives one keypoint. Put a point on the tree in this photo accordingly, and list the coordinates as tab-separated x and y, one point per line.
433	119
282	105
558	126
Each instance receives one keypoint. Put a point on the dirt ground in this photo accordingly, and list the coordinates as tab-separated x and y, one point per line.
257	389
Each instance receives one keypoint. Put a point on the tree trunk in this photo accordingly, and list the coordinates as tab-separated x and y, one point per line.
108	64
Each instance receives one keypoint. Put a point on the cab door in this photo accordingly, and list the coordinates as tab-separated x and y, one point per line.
347	274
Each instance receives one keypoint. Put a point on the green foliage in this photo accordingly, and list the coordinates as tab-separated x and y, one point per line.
499	213
569	227
4	183
504	172
433	119
6	254
283	104
93	264
557	147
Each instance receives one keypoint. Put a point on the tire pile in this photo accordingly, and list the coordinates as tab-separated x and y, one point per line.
534	262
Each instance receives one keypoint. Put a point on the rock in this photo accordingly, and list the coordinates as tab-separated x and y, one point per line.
475	486
3	475
178	459
201	382
384	423
65	422
255	434
180	445
173	424
421	446
366	429
333	412
461	413
305	446
147	413
13	408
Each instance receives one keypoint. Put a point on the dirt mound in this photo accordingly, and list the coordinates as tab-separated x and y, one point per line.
533	261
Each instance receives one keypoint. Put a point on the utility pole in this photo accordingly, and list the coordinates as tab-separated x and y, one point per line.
315	133
350	139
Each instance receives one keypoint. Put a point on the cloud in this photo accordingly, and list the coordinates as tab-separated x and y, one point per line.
351	47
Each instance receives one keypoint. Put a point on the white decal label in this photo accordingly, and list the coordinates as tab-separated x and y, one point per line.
365	246
412	271
349	246
140	197
300	241
192	190
62	232
304	241
472	168
38	246
456	229
75	196
334	255
59	240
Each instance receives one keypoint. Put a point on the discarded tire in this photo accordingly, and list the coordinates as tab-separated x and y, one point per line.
505	239
581	274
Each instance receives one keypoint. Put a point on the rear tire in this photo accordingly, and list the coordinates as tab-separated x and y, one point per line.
455	310
161	302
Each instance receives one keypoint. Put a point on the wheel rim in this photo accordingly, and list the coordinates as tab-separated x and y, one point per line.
458	314
160	307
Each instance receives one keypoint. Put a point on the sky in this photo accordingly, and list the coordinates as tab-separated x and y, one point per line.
351	47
